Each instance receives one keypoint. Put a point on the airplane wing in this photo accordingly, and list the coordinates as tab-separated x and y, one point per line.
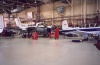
82	31
87	34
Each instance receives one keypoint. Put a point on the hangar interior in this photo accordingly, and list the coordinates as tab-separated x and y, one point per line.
74	42
75	11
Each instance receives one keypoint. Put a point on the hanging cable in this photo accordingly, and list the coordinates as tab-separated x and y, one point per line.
47	4
69	2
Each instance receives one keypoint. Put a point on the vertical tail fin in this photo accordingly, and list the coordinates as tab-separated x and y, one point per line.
1	24
65	25
19	24
17	21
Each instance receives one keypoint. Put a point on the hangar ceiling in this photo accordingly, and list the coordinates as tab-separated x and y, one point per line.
11	6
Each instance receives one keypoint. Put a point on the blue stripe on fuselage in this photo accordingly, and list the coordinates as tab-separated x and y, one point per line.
90	29
66	30
82	29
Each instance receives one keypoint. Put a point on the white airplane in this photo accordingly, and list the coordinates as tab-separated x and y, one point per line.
1	23
66	29
39	27
85	32
22	25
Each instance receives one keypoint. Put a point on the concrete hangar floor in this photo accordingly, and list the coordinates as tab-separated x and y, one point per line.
45	51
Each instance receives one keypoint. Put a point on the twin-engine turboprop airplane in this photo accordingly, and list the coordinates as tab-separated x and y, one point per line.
39	27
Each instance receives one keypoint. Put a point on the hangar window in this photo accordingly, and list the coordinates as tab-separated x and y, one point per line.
29	15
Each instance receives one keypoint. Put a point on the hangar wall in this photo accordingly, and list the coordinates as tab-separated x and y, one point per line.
77	7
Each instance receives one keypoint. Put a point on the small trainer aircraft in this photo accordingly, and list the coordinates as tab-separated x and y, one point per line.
85	32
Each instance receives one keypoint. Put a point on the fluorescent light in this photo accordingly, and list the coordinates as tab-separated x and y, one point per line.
35	1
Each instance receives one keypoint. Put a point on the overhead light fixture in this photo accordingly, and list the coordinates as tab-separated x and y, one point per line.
17	5
35	1
23	6
12	8
4	2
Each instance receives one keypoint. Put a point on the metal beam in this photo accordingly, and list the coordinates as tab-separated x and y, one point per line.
97	4
48	5
85	10
4	7
72	11
23	3
82	11
69	2
51	9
